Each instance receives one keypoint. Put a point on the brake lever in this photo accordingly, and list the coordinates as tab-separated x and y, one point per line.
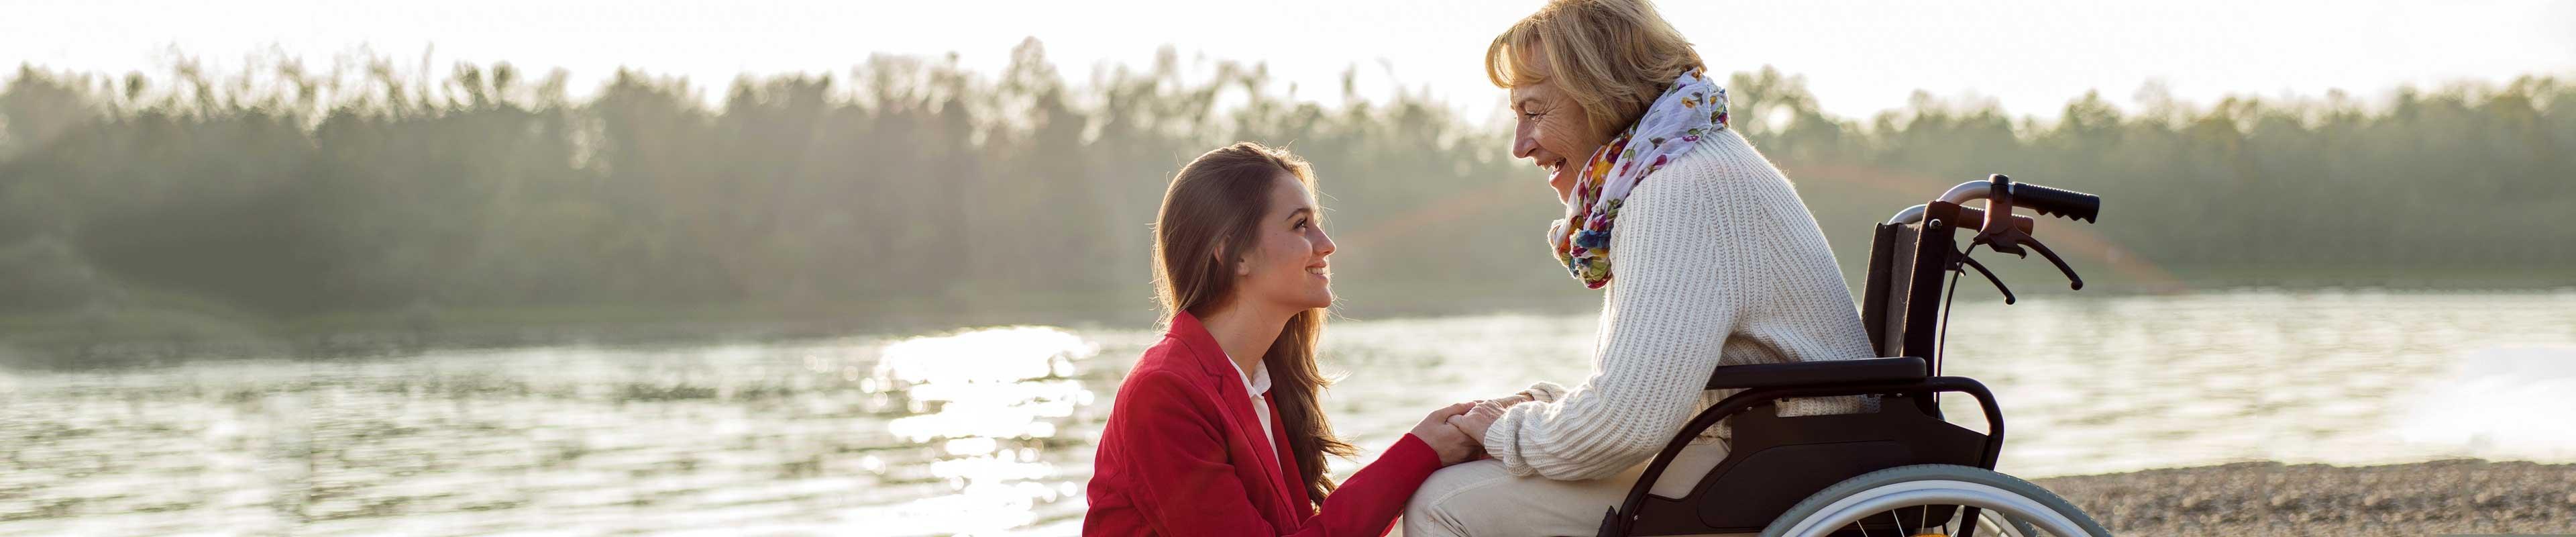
2073	281
2011	240
1990	277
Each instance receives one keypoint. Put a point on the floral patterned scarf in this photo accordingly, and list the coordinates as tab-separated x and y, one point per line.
1671	126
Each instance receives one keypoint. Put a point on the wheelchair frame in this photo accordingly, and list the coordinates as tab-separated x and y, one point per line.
1774	462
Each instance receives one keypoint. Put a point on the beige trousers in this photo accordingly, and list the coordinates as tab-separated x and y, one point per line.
1481	499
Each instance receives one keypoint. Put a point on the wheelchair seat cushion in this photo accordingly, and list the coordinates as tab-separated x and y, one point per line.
1823	372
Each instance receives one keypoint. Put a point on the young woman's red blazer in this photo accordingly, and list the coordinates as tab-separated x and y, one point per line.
1183	455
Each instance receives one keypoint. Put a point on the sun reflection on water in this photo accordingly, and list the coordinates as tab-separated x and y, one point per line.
989	401
992	431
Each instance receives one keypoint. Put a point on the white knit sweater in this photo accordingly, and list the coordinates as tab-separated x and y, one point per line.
1715	262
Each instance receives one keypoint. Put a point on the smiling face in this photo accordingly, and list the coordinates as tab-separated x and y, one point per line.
1284	267
1553	130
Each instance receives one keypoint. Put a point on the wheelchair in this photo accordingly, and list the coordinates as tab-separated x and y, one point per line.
1901	470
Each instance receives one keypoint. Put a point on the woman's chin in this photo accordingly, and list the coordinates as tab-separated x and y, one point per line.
1320	300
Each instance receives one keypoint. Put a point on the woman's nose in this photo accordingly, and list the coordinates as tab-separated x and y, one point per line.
1323	243
1522	145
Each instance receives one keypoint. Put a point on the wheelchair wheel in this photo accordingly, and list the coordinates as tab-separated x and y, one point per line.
1928	499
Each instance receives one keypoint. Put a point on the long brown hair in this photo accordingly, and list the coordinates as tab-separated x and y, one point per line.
1209	215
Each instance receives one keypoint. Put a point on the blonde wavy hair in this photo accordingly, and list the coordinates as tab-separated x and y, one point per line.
1613	56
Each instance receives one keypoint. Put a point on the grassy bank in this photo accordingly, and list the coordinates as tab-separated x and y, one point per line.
167	331
160	329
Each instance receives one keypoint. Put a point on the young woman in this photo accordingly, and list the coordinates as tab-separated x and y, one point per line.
1217	430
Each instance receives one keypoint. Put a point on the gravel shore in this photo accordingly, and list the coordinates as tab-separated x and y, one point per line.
2264	499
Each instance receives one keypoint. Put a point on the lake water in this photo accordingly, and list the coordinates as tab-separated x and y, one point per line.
990	430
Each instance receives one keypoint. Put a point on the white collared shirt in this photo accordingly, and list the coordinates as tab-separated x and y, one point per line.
1257	383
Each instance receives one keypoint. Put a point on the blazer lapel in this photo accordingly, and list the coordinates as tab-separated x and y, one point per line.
1235	405
1292	476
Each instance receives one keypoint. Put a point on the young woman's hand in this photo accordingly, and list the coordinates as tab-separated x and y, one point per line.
1453	446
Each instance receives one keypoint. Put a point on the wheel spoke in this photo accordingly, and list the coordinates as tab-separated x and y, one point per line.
1980	502
2000	524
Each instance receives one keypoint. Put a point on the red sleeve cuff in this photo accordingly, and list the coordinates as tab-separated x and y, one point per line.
1412	452
1372	499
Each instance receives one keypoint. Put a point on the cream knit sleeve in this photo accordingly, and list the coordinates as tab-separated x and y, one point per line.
1668	313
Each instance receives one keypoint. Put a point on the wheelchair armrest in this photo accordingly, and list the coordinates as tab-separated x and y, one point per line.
1865	370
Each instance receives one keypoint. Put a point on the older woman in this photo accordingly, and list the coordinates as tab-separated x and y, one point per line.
1707	253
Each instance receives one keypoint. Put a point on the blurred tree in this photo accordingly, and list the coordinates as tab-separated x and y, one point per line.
912	186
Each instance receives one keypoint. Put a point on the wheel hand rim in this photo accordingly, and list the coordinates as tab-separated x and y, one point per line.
1935	492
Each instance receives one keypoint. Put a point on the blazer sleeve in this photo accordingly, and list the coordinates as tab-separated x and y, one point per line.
1368	503
1187	486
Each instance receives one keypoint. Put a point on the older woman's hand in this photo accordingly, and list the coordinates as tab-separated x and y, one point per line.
1453	446
1501	403
1476	420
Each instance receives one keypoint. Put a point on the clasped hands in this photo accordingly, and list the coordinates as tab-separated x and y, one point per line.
1457	432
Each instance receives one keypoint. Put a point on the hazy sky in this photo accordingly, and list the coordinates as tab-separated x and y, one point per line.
1859	57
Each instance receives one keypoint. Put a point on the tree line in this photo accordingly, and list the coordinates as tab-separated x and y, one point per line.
912	187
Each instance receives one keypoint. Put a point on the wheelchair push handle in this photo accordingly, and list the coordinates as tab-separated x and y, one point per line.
2002	194
2056	202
